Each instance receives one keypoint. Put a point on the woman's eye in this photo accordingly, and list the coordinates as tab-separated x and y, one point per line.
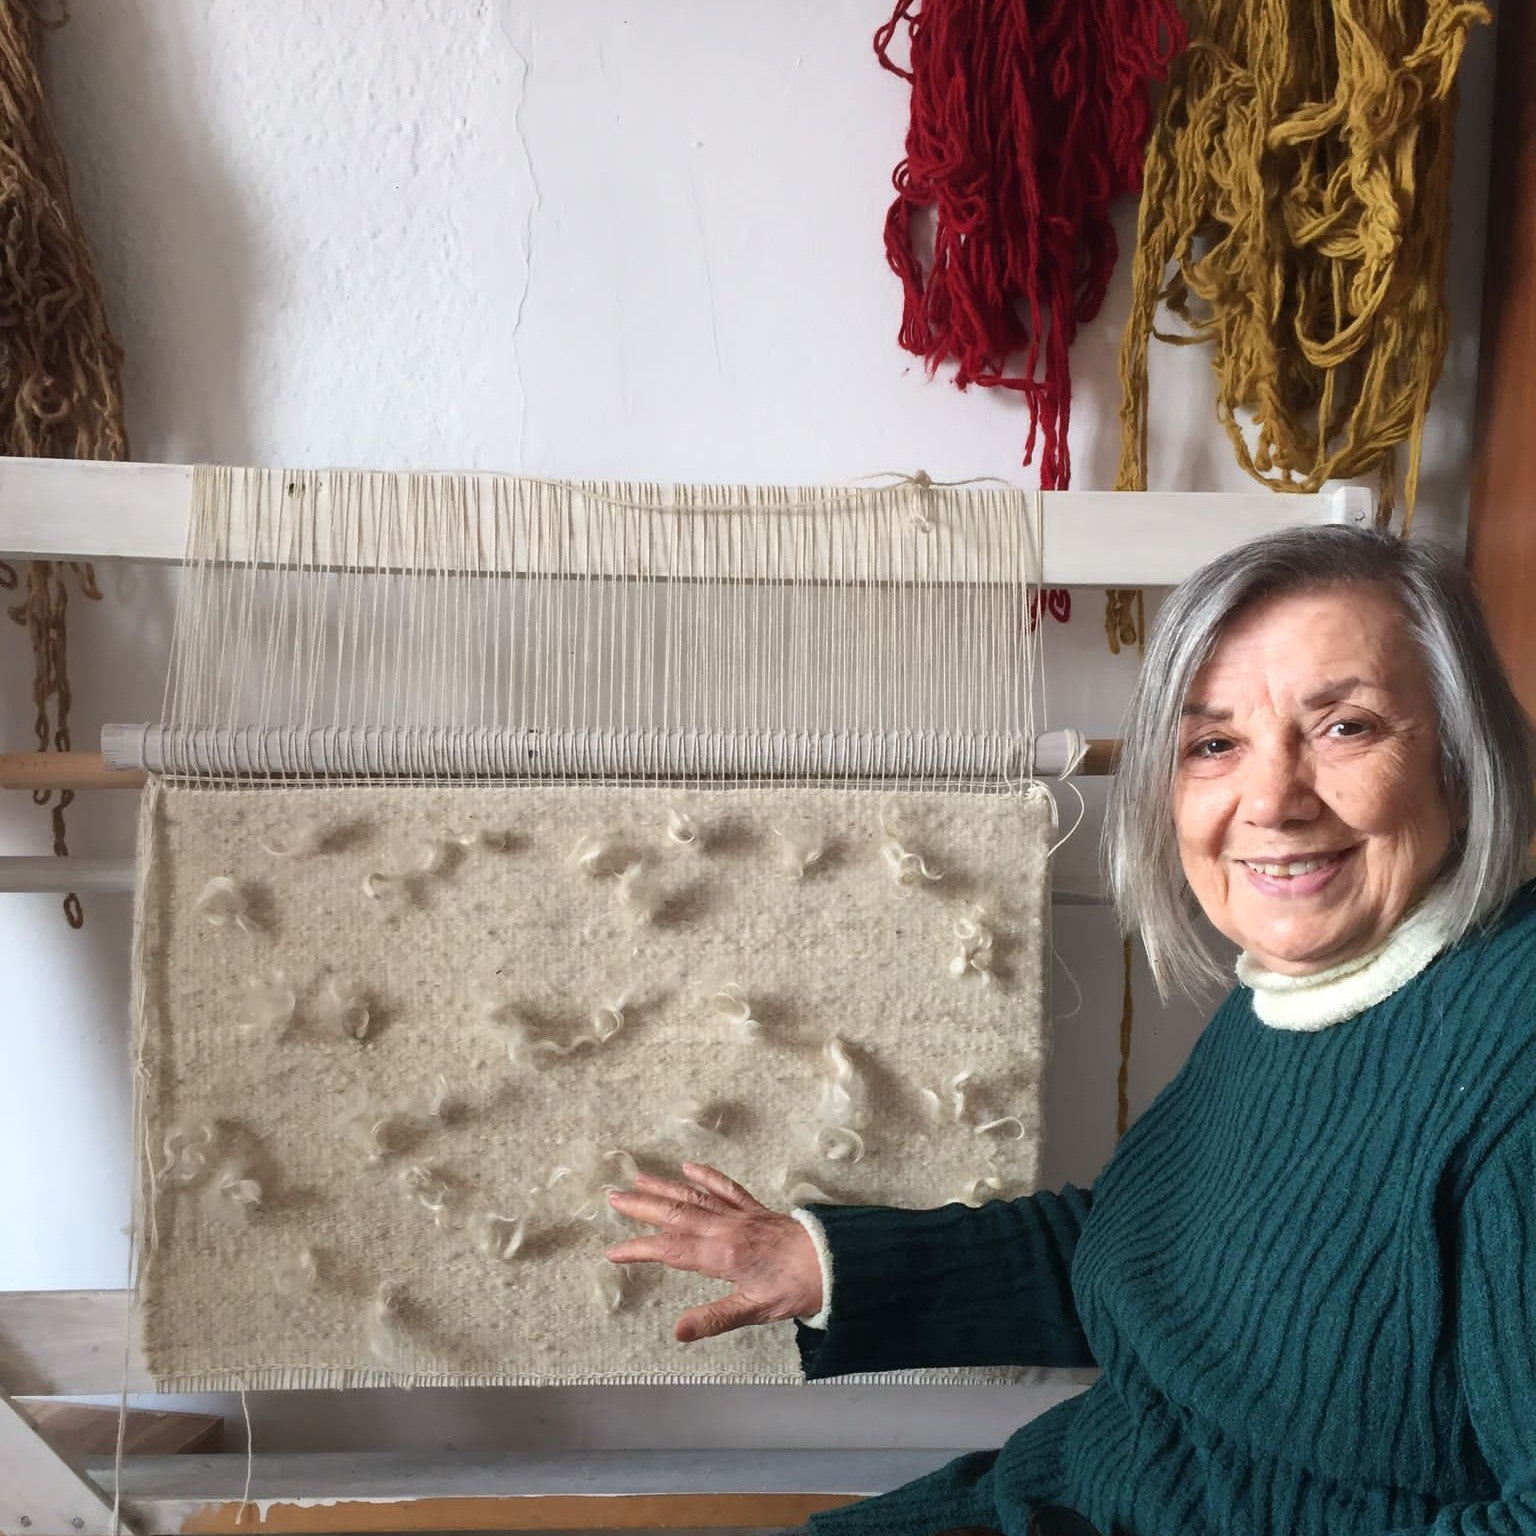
1211	746
1340	729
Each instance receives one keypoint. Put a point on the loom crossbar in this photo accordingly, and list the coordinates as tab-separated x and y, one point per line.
68	510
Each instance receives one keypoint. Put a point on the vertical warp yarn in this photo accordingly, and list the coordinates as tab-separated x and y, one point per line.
60	392
1028	117
1295	216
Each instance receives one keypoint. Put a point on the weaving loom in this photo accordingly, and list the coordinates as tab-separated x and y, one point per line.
762	879
696	820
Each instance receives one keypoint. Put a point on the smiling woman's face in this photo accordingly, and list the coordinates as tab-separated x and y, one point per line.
1307	802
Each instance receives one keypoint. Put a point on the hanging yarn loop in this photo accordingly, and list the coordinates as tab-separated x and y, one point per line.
1027	121
60	395
1295	217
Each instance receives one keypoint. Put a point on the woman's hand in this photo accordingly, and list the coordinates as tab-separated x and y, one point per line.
712	1226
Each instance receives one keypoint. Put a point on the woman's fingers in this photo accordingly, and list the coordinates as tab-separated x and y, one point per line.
689	1195
696	1255
662	1210
716	1317
722	1186
656	1248
666	1202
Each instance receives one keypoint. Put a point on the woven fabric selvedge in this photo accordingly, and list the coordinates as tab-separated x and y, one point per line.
458	918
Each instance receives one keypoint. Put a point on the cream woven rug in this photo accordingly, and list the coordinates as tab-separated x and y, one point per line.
395	1042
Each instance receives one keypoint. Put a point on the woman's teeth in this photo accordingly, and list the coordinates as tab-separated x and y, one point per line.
1293	867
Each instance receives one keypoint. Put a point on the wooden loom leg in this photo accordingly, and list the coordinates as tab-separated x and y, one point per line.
41	1492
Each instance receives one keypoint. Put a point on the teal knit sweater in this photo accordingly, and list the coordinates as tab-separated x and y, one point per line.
1308	1276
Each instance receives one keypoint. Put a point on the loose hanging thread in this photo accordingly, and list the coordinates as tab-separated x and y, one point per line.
1127	1017
1027	120
1126	625
60	392
1295	216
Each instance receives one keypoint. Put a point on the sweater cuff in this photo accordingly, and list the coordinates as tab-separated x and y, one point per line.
818	1236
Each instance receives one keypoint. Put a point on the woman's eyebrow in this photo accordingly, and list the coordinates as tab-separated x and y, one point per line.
1198	709
1330	692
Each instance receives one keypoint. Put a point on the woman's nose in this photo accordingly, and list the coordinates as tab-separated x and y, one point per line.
1278	787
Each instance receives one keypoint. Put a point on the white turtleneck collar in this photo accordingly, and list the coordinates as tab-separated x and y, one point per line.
1309	1003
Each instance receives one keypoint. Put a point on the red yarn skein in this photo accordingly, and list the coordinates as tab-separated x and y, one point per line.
1028	118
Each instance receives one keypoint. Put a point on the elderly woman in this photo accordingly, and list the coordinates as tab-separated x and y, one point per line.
1308	1275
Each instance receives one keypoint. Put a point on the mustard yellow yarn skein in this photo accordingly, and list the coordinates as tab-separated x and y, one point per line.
1295	217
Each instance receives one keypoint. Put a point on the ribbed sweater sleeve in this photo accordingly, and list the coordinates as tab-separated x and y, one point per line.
1496	1317
1496	1336
950	1287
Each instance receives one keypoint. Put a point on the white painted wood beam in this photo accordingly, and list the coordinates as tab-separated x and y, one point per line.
41	1492
82	510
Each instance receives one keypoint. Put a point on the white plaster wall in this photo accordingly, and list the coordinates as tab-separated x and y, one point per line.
565	237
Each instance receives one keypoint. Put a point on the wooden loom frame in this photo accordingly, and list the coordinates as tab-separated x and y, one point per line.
67	1343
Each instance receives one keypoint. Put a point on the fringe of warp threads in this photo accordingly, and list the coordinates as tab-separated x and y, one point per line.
1295	217
60	380
1028	118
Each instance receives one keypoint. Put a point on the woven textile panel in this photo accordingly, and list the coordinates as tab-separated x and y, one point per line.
395	1043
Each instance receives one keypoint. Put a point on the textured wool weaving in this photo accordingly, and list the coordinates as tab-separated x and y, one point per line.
481	869
392	1061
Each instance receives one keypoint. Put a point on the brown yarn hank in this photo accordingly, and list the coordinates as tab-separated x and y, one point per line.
60	378
1295	217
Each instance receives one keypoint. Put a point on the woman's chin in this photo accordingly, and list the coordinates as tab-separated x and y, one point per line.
1307	953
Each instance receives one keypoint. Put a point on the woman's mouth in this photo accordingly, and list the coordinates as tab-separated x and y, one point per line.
1294	877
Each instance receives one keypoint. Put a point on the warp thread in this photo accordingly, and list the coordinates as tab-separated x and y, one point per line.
61	387
1027	121
1295	217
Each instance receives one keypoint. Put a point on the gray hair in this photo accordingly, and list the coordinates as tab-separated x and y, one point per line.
1485	747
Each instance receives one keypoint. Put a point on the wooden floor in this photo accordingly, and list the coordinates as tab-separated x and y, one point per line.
697	1491
83	1432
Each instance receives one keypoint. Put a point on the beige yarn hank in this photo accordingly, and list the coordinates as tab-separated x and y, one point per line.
60	385
1295	216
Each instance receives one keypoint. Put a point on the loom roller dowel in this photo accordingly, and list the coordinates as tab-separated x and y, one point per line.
65	770
459	753
127	745
90	770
